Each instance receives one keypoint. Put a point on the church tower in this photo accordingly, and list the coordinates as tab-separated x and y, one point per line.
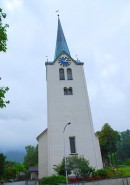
70	125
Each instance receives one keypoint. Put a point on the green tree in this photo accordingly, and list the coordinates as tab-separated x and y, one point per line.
2	161
12	169
77	165
3	32
31	157
80	166
3	47
123	146
60	168
108	139
3	102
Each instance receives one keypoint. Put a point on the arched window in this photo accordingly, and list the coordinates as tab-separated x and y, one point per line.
65	91
61	74
70	91
69	74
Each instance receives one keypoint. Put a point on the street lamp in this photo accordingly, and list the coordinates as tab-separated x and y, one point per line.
65	153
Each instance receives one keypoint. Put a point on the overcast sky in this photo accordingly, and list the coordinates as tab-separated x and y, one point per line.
97	31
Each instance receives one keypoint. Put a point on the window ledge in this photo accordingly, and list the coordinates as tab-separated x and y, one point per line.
74	154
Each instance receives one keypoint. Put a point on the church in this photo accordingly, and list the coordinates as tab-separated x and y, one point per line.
69	121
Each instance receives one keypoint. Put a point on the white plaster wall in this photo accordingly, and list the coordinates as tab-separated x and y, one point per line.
98	152
69	108
43	155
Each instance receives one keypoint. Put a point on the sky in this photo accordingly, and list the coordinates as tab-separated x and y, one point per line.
97	32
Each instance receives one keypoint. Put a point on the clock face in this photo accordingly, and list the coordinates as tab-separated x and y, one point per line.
64	61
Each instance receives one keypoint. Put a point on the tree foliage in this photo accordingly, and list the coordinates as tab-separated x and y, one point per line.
12	169
3	102
3	47
2	161
80	166
77	165
108	139
3	32
60	168
123	146
54	179
31	157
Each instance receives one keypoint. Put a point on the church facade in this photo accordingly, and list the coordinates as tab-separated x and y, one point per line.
70	127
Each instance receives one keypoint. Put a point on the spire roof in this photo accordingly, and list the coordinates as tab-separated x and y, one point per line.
61	44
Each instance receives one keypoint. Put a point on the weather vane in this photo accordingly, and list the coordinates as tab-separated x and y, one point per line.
47	58
57	11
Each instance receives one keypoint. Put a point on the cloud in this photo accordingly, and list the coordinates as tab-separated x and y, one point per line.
13	5
96	31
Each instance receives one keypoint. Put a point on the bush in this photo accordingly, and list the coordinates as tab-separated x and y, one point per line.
60	168
100	174
54	179
127	162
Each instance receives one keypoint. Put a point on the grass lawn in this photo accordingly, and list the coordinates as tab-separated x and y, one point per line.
124	171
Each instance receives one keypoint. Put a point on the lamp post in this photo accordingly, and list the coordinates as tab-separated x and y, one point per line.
65	153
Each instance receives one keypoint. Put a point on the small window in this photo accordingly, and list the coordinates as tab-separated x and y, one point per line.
61	74
69	74
70	91
72	145
65	91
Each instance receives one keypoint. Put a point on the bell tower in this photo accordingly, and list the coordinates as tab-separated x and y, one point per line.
67	102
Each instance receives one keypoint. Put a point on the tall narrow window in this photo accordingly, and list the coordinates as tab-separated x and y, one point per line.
72	145
70	92
69	74
65	91
61	74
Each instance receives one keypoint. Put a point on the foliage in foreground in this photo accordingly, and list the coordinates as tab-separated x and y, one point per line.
101	174
80	166
105	173
60	168
9	169
54	179
77	165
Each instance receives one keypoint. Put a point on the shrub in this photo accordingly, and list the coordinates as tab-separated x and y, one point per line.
60	168
100	174
54	179
80	166
76	165
127	162
74	179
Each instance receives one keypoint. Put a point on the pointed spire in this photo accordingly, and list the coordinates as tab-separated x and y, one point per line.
61	44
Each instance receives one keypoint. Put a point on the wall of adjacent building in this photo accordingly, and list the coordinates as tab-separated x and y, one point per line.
43	155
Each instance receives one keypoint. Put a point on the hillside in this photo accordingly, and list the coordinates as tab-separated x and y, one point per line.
17	156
